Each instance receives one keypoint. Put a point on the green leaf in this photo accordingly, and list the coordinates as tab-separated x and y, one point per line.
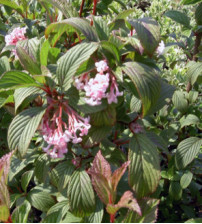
175	190
17	164
144	168
41	200
97	216
20	214
61	174
101	28
22	93
11	4
190	2
187	151
178	17
4	65
195	220
198	14
190	119
16	79
61	207
148	32
194	71
149	212
125	14
23	127
180	102
71	61
192	97
42	166
65	7
54	217
4	101
44	53
95	136
146	82
127	201
28	53
4	213
81	194
186	179
111	48
70	218
26	177
79	24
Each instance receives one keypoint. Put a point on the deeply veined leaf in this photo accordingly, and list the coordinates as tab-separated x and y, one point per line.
4	65
20	214
79	24
26	177
187	151
12	5
70	218
61	174
127	201
4	213
81	194
179	101
23	127
71	61
186	180
194	220
194	71
198	14
101	28
16	79
22	93
190	119
189	2
125	14
42	166
175	190
146	82
112	49
95	136
65	7
144	168
28	53
97	216
54	217
41	200
178	17
4	101
149	212
148	32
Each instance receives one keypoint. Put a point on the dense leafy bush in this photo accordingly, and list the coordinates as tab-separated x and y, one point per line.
100	110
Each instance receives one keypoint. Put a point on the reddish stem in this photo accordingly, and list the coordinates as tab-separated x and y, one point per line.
94	10
81	8
112	218
9	220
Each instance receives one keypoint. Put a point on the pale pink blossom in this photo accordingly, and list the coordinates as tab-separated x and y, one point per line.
16	35
101	66
57	133
160	49
114	92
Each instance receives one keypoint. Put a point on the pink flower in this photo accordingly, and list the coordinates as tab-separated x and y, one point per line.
57	133
16	35
160	49
96	88
114	92
101	66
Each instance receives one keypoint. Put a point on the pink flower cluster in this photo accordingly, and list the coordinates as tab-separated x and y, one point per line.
96	88
16	35
57	134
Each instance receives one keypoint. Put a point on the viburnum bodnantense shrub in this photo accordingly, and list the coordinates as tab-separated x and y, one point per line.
87	98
